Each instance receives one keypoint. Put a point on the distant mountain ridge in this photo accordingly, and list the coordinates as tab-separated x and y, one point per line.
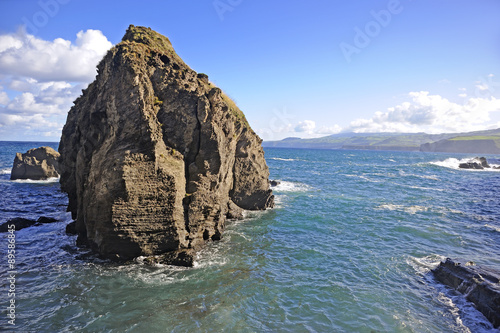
486	142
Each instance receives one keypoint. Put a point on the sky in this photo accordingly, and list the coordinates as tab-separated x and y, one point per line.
295	68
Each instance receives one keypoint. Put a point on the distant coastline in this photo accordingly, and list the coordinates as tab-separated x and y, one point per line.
479	142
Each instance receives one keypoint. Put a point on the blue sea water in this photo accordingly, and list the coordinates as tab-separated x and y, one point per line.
348	248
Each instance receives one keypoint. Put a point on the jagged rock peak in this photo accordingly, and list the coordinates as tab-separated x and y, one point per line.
154	157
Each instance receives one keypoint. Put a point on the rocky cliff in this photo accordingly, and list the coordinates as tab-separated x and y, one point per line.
154	156
474	145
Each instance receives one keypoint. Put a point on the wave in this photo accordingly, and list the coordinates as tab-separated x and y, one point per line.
453	163
284	159
418	209
364	178
407	209
425	264
429	177
286	186
5	171
31	181
492	227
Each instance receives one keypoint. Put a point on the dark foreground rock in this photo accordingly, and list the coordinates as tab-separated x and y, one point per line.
154	157
479	285
21	223
37	164
478	163
71	228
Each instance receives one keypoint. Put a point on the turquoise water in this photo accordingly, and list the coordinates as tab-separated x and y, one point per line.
348	248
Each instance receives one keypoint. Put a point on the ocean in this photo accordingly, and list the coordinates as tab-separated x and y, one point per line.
348	248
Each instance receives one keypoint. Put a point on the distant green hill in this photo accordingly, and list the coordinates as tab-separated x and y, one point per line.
473	142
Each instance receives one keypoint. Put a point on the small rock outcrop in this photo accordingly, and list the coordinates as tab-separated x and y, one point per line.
154	157
478	163
21	223
274	183
37	164
479	285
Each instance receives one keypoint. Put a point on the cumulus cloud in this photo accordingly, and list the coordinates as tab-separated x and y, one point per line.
4	98
43	78
307	126
57	60
325	130
431	114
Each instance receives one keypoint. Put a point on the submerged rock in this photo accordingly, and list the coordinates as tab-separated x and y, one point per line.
37	164
153	155
479	285
18	223
45	219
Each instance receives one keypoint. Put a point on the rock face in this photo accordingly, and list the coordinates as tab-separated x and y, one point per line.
480	286
37	164
154	157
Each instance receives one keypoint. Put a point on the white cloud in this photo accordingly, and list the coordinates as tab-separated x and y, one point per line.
4	98
482	86
9	42
431	114
44	78
329	130
58	60
307	126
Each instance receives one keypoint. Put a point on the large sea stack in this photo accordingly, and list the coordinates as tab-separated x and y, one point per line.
154	156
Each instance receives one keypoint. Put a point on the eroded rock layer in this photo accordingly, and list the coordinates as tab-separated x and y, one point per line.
154	157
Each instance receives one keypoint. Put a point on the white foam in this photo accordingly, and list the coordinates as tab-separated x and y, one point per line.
286	186
429	177
407	209
492	227
365	178
284	159
5	171
425	264
45	181
453	163
467	317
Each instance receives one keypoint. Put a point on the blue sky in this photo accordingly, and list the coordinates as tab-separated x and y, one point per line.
295	68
